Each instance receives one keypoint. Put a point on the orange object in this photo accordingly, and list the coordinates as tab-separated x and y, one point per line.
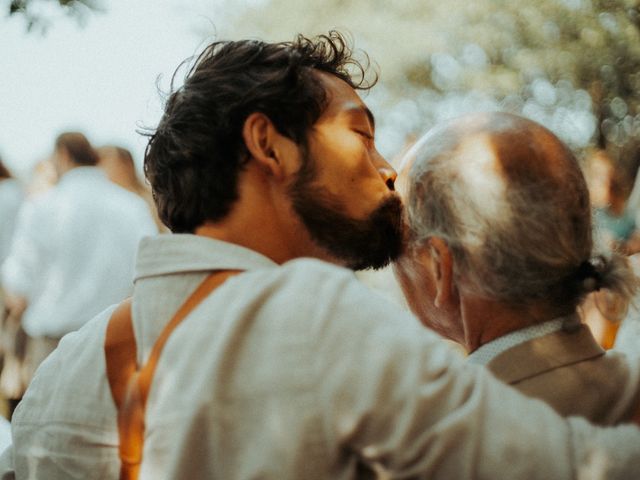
129	385
609	334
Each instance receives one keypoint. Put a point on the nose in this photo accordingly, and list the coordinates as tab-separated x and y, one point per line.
387	172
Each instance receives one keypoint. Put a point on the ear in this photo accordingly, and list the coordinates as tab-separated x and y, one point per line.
442	259
268	147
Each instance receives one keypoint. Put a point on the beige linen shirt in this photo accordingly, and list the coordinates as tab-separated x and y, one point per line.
295	371
573	374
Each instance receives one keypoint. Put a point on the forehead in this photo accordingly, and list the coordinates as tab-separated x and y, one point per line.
342	99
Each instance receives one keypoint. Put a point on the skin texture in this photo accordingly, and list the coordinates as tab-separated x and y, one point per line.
343	138
348	167
491	152
424	277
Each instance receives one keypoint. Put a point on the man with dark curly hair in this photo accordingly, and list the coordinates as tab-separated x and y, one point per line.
278	363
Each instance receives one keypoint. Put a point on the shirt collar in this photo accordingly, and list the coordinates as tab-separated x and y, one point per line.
180	253
490	350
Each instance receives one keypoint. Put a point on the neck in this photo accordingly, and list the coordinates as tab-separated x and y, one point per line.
485	320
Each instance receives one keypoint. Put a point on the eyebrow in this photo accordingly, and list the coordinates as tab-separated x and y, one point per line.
355	108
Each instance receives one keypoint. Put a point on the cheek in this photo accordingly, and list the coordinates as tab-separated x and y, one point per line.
345	170
417	290
343	156
420	293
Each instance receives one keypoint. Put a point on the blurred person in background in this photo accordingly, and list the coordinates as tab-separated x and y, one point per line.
43	177
11	196
616	230
117	163
627	334
71	256
609	191
501	255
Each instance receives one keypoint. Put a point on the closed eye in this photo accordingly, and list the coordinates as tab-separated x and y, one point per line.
366	135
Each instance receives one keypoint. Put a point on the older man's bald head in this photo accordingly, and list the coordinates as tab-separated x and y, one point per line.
514	148
510	200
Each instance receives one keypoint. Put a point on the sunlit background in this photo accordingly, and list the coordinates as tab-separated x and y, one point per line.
94	65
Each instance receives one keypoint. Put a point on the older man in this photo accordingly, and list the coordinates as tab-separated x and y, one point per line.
501	256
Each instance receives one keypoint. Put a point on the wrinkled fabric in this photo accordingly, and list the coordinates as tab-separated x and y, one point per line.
290	372
573	374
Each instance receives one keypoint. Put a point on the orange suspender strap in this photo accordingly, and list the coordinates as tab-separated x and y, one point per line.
130	385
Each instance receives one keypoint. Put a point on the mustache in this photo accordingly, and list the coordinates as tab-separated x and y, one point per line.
386	232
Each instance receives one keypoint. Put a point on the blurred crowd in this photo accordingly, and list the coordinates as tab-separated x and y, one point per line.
68	239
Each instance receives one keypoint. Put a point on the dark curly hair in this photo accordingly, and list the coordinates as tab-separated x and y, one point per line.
193	158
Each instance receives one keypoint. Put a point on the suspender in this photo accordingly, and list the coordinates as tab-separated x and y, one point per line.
130	385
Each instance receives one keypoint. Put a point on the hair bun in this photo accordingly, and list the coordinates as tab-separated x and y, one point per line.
590	276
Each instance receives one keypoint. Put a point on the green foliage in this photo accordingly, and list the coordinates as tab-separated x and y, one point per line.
560	62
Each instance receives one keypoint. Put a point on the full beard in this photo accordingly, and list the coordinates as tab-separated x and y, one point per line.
370	243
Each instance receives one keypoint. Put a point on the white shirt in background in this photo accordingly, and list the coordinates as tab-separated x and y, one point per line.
73	251
11	196
628	336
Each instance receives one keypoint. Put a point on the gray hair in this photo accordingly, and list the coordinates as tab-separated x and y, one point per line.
511	202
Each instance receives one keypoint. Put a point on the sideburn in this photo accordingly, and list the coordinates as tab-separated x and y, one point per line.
371	243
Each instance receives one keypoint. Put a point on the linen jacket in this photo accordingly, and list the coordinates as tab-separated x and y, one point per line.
293	371
573	374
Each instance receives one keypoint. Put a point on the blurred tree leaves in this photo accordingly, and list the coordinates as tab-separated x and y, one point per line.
573	65
38	14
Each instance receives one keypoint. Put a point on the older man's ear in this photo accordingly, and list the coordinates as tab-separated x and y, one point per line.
442	267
